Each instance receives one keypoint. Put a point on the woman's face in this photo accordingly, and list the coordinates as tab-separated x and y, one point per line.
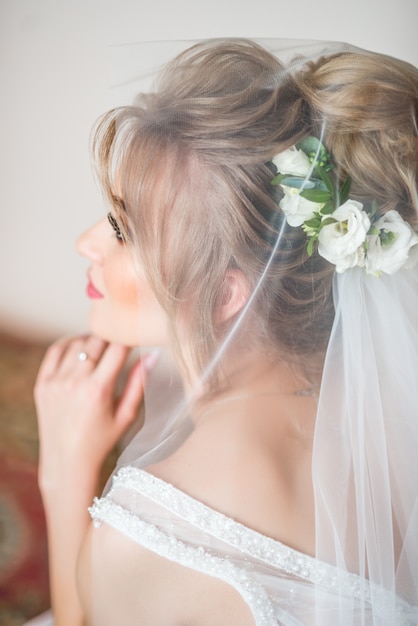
124	308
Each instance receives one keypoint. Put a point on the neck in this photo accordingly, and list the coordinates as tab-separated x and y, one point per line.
255	379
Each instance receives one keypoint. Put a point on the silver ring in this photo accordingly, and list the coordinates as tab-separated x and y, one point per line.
83	356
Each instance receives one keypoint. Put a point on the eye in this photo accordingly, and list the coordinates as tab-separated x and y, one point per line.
118	233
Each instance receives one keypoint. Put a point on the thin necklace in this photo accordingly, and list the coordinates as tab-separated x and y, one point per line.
301	393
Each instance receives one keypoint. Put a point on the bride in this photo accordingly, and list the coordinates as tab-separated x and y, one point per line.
262	235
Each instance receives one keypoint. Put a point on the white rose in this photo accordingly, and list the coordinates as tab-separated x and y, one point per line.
412	260
388	256
341	243
293	162
296	208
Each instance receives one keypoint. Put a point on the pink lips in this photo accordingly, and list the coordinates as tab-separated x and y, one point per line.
92	292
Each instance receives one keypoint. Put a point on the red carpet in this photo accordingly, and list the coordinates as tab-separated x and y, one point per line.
23	553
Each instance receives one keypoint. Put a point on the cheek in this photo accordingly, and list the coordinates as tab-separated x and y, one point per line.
122	284
133	314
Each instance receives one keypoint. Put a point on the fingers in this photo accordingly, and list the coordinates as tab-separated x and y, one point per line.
111	363
52	359
62	357
82	394
97	371
83	354
96	375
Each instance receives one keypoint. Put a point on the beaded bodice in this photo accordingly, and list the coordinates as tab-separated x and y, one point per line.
275	581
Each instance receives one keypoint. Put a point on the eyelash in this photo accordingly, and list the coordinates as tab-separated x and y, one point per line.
118	233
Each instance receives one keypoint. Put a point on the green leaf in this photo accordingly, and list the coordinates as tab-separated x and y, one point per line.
328	208
319	184
373	209
309	144
327	180
344	191
314	222
298	182
277	180
309	247
316	195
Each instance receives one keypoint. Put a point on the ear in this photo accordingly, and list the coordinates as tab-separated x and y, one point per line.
236	292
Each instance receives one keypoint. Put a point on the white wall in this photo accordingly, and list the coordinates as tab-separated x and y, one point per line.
54	83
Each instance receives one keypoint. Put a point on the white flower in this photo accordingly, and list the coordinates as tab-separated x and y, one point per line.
389	249
296	208
293	162
412	260
341	242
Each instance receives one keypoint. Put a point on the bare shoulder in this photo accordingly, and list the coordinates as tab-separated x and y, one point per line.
260	480
133	585
243	472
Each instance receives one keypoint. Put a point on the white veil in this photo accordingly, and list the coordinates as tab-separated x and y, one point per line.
365	457
365	464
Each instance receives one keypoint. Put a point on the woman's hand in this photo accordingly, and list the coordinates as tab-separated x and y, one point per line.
80	418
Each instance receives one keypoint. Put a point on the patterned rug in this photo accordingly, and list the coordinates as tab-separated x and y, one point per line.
23	551
24	589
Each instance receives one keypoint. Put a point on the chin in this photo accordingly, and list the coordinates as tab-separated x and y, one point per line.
111	333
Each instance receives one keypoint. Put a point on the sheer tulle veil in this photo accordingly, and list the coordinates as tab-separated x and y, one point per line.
365	463
365	456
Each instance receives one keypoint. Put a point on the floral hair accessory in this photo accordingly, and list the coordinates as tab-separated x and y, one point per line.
342	231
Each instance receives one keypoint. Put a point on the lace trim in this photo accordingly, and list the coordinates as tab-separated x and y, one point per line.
149	536
234	533
249	542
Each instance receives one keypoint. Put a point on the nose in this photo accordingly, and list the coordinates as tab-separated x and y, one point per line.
90	244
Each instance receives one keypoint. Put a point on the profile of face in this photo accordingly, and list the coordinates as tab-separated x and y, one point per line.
124	308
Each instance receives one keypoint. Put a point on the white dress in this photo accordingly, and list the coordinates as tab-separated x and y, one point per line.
280	585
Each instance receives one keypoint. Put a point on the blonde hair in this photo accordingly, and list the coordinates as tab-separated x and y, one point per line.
368	104
192	164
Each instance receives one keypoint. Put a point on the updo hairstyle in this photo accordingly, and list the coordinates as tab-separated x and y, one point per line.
192	164
368	106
